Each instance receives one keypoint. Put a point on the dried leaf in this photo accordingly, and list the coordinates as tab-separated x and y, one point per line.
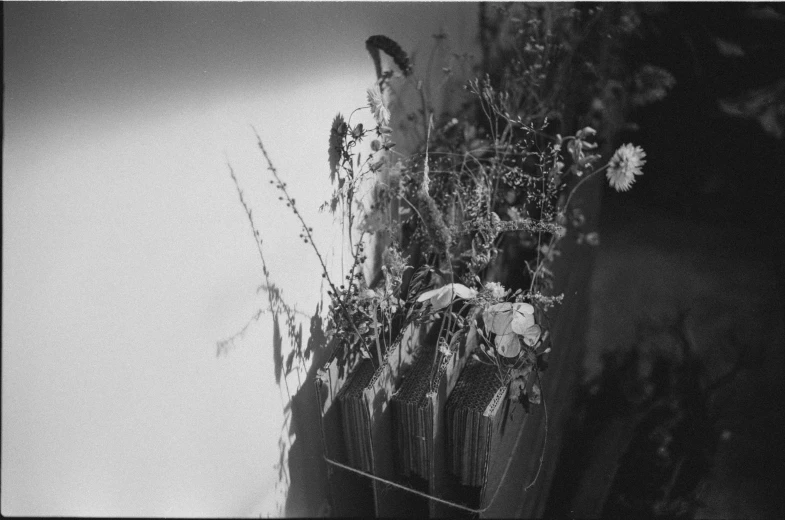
337	131
535	395
517	389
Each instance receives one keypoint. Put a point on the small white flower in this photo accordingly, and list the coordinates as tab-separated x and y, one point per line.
444	348
625	164
443	296
380	112
496	290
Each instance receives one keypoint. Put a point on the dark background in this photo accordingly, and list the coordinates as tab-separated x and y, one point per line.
681	403
707	165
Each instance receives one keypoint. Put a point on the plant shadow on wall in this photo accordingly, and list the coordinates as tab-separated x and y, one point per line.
457	231
315	351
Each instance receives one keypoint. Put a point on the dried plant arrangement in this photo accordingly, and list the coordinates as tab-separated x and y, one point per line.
496	169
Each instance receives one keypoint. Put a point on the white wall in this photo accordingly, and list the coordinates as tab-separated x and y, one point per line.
126	253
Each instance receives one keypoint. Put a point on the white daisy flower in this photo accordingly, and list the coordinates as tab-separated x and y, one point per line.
496	290
380	112
625	164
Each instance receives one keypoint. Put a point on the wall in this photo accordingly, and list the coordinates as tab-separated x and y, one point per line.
126	254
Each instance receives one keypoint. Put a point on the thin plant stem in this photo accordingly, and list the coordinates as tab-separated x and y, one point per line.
307	231
554	239
545	437
572	192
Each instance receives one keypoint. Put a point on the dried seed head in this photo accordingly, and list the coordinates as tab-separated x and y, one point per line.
391	48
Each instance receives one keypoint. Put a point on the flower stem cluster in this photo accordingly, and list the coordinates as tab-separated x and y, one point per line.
491	175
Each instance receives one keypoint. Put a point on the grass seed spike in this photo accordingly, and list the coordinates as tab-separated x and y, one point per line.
379	42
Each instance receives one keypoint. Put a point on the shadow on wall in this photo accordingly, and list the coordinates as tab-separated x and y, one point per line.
307	494
308	489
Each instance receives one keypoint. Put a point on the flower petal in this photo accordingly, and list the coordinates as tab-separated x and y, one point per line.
521	323
508	345
443	296
522	317
427	295
524	308
532	335
461	291
498	318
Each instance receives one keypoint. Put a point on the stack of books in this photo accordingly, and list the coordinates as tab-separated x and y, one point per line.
355	416
413	415
473	414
